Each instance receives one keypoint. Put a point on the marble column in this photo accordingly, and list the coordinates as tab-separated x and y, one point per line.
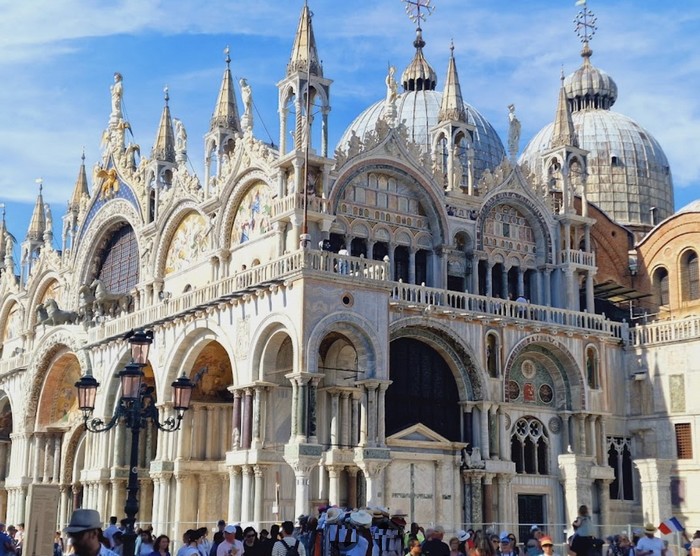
236	441
246	491
488	498
485	449
503	436
259	499
312	395
247	419
363	417
234	497
381	411
495	433
335	418
355	420
655	477
352	486
505	499
256	442
580	421
346	420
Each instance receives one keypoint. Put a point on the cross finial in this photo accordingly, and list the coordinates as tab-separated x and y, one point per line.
166	94
418	10
585	26
40	181
227	51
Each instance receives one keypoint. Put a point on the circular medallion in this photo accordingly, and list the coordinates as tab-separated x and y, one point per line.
555	425
546	393
528	369
513	390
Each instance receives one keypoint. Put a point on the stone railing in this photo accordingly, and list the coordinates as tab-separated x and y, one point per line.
239	284
667	331
577	257
499	308
295	201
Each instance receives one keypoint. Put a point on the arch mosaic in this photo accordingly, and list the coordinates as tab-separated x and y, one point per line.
470	378
187	244
552	358
170	227
12	319
6	423
58	401
55	343
251	181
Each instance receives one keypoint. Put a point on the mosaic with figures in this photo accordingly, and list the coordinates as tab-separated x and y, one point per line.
530	383
253	216
507	228
188	244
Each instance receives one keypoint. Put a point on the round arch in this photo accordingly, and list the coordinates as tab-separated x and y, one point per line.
561	364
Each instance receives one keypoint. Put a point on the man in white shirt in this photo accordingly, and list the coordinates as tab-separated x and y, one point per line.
231	546
649	545
109	532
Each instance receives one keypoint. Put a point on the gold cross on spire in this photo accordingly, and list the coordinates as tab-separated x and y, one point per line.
585	22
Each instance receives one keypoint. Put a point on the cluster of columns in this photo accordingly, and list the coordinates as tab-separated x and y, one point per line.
496	284
344	417
482	501
246	493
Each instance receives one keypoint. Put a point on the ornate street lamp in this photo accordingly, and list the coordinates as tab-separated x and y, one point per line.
136	408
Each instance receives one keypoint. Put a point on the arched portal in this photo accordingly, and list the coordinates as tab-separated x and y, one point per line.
423	390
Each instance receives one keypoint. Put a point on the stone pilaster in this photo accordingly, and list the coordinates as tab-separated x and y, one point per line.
654	474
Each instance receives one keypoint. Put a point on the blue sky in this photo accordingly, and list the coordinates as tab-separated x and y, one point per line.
57	58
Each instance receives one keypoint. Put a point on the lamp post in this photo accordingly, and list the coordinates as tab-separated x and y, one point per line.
136	408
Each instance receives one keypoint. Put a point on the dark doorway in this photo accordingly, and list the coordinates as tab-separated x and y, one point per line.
423	390
530	512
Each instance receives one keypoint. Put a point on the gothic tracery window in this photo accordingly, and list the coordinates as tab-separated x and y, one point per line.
530	446
119	271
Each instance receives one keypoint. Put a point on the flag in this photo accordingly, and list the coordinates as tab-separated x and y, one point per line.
670	525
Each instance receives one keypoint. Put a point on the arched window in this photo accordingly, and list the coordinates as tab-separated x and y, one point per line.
690	276
492	355
119	270
620	459
529	446
592	367
661	286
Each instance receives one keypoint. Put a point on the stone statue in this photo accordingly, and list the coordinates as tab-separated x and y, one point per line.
180	137
513	132
247	95
49	218
392	87
117	93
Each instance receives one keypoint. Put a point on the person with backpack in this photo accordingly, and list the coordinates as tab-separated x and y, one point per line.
288	546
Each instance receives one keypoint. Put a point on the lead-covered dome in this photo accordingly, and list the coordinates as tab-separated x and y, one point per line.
418	110
628	173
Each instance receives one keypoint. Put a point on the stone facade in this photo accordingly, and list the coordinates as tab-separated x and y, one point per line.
362	329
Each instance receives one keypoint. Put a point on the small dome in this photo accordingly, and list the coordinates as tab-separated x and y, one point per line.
419	75
693	206
628	172
418	111
589	87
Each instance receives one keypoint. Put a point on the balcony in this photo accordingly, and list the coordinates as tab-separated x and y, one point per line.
665	332
295	201
578	258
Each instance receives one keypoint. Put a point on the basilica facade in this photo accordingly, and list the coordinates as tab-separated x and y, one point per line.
418	318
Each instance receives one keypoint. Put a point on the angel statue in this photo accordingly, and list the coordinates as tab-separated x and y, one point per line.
392	87
247	95
180	137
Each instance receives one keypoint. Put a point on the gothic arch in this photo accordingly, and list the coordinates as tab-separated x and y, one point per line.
170	225
536	217
237	194
111	216
469	376
562	366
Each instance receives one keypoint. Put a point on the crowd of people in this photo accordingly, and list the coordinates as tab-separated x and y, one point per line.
11	539
365	532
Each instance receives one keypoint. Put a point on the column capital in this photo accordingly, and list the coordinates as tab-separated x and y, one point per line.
259	471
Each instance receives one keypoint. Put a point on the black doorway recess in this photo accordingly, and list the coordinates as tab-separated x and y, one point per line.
423	390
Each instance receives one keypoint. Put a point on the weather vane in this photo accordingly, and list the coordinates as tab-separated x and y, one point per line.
418	10
585	23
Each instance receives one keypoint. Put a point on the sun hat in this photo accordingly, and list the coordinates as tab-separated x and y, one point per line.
545	541
83	520
649	528
361	518
462	535
333	514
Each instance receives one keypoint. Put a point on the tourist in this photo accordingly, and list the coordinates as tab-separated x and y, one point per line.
649	545
161	547
111	529
251	545
435	545
230	546
287	541
84	530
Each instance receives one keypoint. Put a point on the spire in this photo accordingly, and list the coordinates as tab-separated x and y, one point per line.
564	133
80	189
304	54
226	112
3	233
452	107
164	147
37	226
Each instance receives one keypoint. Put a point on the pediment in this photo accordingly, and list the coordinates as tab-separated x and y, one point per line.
419	435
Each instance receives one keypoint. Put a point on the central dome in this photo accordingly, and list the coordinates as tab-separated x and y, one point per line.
418	111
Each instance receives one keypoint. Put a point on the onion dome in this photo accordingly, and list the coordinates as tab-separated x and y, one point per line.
589	87
419	75
419	109
629	177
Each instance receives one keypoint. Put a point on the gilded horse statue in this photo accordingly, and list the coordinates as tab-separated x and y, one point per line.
106	303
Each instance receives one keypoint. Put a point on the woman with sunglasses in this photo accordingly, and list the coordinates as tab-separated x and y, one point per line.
251	545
